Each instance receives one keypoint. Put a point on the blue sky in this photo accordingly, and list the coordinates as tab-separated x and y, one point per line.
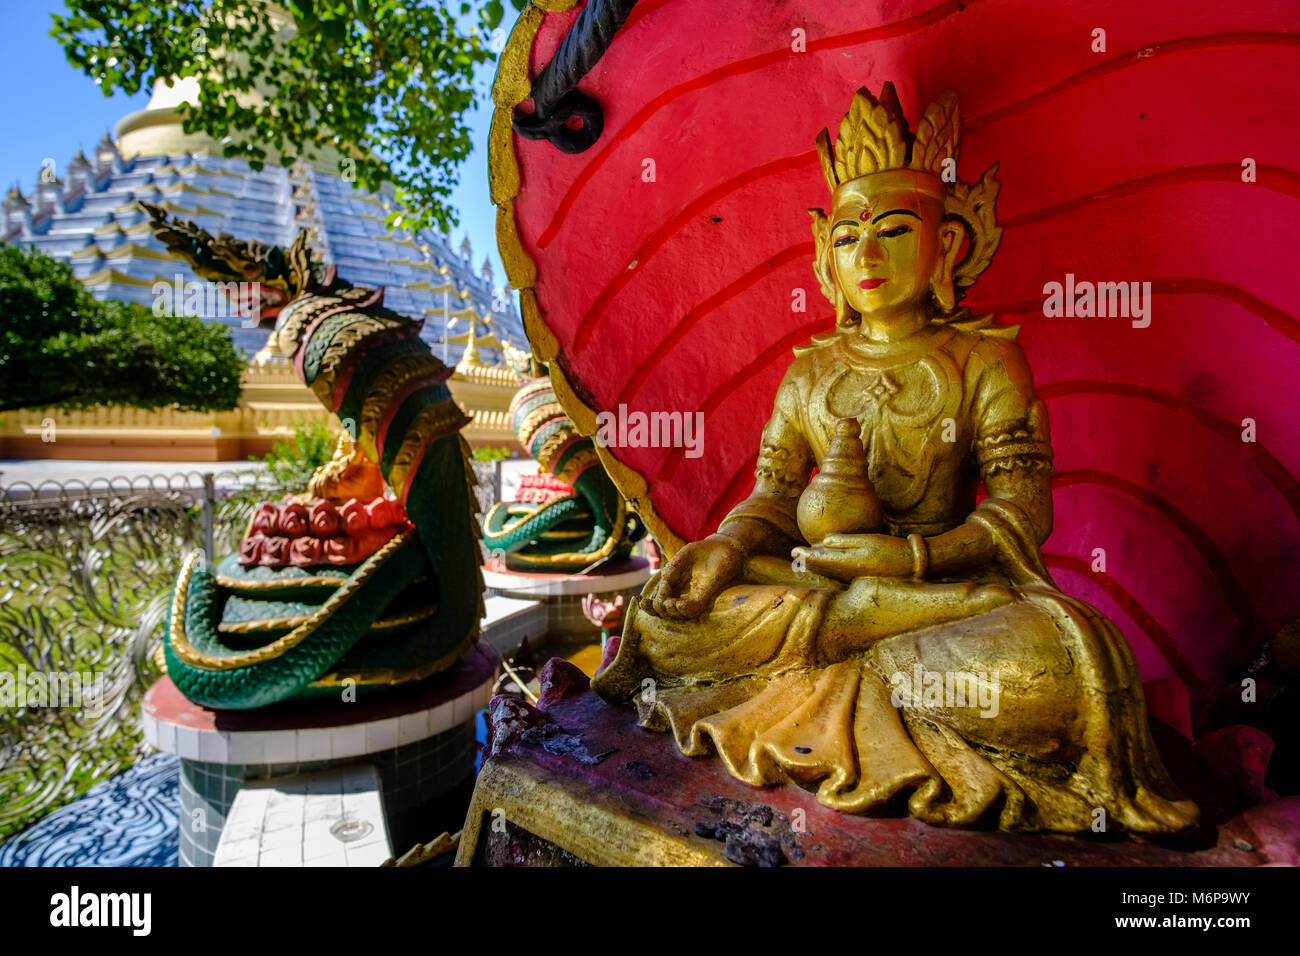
49	109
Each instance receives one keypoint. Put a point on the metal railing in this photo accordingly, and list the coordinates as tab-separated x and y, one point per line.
86	569
488	487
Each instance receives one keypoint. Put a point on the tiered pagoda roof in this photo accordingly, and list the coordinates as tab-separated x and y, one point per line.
89	219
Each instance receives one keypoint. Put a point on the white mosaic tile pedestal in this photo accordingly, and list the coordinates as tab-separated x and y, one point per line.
331	818
418	746
509	621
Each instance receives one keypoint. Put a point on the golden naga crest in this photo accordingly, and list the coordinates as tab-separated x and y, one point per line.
281	274
874	138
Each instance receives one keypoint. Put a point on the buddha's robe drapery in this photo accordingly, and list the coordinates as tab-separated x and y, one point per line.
985	698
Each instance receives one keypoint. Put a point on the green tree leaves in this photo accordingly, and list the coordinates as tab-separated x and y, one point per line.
59	346
383	82
292	462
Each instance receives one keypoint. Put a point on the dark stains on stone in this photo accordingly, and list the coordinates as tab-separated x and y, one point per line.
509	720
639	770
515	846
752	834
559	743
515	724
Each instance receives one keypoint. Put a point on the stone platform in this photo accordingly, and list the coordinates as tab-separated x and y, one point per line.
578	782
561	594
421	742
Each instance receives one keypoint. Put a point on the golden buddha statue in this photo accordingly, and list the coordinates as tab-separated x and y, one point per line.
874	635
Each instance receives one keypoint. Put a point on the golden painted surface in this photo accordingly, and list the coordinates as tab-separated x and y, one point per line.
872	634
432	420
281	584
423	853
387	677
542	562
280	623
288	335
341	347
545	345
594	827
391	380
371	677
840	498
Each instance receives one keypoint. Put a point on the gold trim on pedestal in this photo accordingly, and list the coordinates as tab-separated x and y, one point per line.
282	623
595	826
279	584
370	677
387	677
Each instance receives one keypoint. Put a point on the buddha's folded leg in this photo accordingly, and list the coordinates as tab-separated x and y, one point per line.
768	628
1017	707
872	609
1039	706
748	628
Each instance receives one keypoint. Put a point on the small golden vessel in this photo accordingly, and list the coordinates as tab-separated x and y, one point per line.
840	499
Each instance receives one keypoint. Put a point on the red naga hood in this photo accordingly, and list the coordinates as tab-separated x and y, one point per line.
669	266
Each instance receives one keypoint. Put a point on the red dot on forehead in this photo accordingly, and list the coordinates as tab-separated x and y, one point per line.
865	214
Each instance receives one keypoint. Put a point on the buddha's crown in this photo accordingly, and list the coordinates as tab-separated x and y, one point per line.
874	138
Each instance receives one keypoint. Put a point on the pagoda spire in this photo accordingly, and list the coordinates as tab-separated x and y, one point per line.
471	357
17	212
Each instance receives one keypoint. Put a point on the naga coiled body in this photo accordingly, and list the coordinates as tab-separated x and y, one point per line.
367	596
569	516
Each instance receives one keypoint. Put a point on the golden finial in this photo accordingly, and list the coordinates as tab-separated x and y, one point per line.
872	138
938	136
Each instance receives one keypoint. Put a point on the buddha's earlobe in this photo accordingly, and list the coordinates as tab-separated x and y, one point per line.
841	305
842	308
941	282
941	286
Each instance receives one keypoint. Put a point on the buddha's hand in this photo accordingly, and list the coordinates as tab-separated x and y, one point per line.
695	575
849	556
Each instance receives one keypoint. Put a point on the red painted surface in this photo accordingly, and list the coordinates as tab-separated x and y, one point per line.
1116	166
1239	756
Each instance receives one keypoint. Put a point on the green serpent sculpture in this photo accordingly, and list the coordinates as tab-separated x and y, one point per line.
569	516
348	596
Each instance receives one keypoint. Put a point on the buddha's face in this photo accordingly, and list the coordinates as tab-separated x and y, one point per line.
888	241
